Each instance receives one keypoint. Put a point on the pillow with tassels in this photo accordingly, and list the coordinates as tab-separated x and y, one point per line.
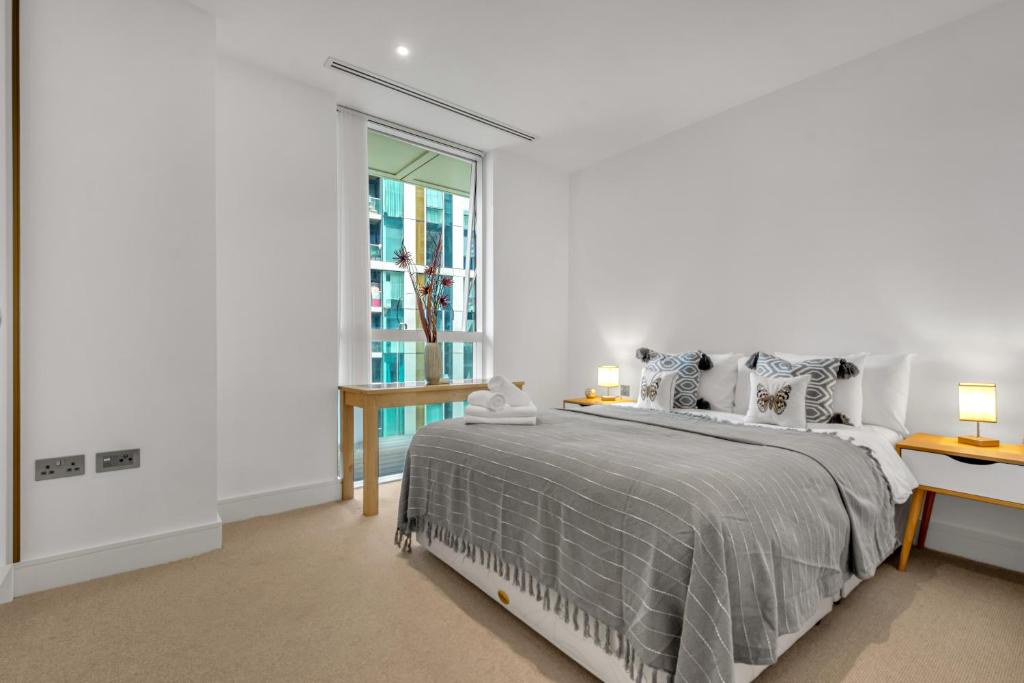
848	398
824	373
687	368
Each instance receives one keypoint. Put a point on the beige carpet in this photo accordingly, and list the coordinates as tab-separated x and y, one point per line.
322	594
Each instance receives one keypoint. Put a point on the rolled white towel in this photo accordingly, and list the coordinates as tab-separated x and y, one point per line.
519	411
514	395
487	399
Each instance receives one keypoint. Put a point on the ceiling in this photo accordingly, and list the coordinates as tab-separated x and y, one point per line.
588	78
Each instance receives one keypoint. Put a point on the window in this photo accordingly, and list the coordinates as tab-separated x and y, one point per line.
421	196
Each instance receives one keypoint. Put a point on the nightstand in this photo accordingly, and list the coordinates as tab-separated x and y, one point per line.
595	401
943	465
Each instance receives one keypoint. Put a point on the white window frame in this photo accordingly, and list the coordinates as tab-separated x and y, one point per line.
476	159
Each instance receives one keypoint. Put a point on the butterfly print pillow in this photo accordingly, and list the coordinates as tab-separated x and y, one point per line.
778	400
657	388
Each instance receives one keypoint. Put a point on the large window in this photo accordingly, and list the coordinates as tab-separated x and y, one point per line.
421	196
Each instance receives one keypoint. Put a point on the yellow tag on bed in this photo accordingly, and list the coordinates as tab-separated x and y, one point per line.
503	597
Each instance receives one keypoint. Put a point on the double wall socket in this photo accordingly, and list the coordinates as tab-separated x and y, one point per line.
57	468
118	460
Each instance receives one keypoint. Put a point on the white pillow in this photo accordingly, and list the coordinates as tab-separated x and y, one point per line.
778	400
848	394
657	389
742	398
887	390
718	385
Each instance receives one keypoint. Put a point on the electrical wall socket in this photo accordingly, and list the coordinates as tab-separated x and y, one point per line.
57	468
624	390
118	460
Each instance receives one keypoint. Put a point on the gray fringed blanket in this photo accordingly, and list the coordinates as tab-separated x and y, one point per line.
681	543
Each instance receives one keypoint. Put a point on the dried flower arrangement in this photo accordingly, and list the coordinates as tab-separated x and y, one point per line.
434	294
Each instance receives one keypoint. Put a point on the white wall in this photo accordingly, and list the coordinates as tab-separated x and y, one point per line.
119	337
528	248
277	291
195	324
875	207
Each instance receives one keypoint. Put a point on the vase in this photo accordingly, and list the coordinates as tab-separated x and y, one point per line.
433	363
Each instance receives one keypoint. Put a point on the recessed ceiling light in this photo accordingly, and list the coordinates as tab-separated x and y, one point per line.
402	51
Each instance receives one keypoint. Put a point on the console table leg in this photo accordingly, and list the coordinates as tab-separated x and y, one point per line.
370	467
348	452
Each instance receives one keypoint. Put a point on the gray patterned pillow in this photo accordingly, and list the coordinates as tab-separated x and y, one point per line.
823	373
687	367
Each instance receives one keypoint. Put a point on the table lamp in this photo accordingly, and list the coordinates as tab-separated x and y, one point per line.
977	404
608	377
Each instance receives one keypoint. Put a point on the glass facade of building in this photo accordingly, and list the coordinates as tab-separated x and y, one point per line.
419	197
420	217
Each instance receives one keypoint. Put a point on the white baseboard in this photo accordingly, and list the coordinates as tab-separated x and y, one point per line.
6	583
976	544
271	502
39	574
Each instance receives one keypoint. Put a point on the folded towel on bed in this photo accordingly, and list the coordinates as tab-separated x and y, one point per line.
502	420
487	399
520	415
513	395
508	411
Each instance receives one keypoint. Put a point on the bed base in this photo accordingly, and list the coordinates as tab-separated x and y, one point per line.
606	667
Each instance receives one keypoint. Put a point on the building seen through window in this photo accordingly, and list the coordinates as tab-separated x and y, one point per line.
420	198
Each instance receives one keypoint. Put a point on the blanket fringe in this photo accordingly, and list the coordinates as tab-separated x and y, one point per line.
403	540
611	640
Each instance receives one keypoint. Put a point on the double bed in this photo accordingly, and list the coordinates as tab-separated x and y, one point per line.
657	546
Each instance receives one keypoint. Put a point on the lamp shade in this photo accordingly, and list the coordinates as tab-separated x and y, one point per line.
607	375
977	402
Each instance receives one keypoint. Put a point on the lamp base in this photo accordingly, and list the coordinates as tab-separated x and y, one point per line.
980	441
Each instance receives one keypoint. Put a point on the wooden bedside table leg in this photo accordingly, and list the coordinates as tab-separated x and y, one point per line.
929	500
908	535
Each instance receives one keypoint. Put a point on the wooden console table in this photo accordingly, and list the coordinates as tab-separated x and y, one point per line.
371	398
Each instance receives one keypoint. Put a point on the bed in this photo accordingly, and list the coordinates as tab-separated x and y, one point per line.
657	546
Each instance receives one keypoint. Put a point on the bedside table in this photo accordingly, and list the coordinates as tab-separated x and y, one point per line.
582	401
943	465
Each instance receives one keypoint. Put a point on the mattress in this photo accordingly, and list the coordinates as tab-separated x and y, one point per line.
604	666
